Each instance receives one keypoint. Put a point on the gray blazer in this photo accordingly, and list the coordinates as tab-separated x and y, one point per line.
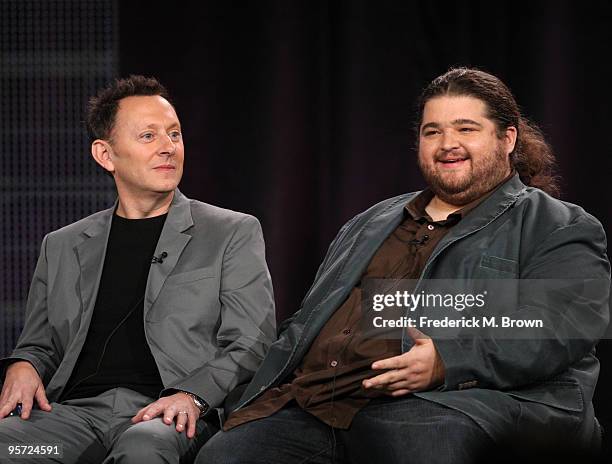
505	386
208	308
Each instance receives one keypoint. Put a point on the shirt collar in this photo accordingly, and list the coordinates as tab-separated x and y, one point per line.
416	207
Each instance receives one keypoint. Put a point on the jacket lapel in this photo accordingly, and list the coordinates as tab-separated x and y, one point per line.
481	216
347	266
485	213
91	253
172	241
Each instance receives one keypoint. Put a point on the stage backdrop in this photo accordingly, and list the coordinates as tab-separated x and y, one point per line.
300	113
53	55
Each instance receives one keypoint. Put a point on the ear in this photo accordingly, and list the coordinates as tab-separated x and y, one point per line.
102	154
510	139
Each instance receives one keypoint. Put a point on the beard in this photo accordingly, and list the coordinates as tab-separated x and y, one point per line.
482	176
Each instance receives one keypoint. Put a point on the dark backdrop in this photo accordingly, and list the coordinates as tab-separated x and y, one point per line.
301	113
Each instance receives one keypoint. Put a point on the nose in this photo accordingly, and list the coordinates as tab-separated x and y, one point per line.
168	147
449	141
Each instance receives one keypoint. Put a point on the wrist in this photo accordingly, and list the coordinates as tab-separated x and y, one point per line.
198	402
19	365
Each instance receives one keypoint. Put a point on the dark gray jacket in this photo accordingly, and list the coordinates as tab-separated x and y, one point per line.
504	385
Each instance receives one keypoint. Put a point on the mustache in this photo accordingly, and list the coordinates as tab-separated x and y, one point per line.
451	157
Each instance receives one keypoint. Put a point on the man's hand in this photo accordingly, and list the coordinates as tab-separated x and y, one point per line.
22	384
179	405
420	368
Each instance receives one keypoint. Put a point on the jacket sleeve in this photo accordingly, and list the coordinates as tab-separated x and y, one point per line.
573	320
247	324
35	343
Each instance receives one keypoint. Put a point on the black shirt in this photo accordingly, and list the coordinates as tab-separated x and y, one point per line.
116	352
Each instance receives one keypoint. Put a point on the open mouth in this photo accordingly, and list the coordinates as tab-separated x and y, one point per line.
452	162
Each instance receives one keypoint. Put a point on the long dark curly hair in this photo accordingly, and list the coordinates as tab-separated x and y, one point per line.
532	156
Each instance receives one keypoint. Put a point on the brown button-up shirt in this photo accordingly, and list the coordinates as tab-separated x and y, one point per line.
328	383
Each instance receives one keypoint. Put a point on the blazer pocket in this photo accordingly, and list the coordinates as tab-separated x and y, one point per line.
499	264
190	276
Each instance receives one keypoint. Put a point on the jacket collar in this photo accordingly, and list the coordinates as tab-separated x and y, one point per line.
172	242
486	212
380	226
179	217
92	250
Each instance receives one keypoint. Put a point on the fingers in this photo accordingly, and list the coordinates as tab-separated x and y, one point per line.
397	393
177	407
181	420
169	414
382	379
155	409
191	430
138	417
26	407
396	362
186	420
411	379
21	385
41	399
409	374
7	406
149	412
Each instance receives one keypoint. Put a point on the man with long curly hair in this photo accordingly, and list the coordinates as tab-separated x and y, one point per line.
329	391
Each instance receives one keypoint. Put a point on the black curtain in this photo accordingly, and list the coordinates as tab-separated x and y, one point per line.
301	113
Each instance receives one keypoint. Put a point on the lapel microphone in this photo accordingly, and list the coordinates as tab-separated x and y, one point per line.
159	259
420	241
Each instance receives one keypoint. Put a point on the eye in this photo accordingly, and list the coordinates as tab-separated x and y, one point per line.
430	132
175	136
147	136
467	129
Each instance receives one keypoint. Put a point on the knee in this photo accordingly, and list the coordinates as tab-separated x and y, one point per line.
222	448
143	444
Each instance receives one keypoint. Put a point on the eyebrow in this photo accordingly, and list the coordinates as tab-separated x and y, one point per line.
154	125
456	122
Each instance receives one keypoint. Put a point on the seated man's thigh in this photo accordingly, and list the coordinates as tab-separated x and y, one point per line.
63	425
154	441
413	430
289	436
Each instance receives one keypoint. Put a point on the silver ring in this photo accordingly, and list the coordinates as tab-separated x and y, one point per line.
183	412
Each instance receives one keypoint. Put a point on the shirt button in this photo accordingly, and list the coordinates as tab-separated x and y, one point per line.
346	331
430	227
334	363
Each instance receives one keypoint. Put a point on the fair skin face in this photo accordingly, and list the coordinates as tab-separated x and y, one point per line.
462	158
461	154
145	156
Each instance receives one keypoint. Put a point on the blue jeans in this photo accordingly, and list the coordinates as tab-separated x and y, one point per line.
406	430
